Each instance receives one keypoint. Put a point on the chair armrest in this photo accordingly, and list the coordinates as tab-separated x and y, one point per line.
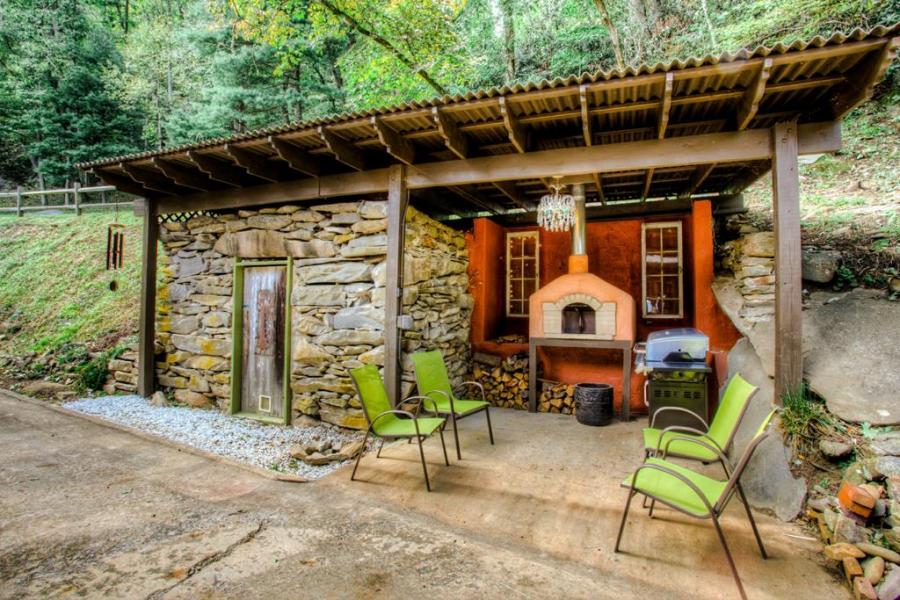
478	385
676	475
681	410
446	395
679	428
405	413
683	438
420	400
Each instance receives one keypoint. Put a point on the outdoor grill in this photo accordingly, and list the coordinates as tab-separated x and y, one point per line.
674	361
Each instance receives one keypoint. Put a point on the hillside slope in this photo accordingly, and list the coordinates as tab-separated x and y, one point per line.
54	287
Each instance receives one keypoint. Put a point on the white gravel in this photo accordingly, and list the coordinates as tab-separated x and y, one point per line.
266	446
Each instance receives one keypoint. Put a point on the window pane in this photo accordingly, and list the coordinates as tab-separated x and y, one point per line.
670	238
515	247
653	240
528	268
515	268
670	307
670	264
529	246
515	307
652	306
530	286
654	264
670	287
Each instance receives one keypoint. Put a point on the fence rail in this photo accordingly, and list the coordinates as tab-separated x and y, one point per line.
76	192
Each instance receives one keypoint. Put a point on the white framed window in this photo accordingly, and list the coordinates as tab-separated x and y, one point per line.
523	270
662	281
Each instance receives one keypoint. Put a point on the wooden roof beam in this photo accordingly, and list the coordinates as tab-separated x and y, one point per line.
218	170
477	199
598	183
152	180
258	165
185	176
753	95
509	189
454	139
396	145
586	117
343	150
298	159
859	88
124	183
697	179
517	135
665	106
648	181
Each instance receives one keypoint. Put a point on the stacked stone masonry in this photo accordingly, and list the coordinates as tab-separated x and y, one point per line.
752	260
339	251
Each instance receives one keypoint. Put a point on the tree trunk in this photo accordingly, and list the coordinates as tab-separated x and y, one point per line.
712	33
505	9
613	33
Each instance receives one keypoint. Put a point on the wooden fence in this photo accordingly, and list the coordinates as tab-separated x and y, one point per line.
75	198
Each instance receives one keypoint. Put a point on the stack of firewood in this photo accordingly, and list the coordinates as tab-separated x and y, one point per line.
505	381
557	398
505	384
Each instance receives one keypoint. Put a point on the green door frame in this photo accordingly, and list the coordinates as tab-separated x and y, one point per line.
237	338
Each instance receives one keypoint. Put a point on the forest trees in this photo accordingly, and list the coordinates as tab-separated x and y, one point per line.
85	79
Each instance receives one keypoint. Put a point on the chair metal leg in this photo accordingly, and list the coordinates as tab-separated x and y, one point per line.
762	549
731	564
624	518
652	504
456	436
487	414
424	468
443	445
361	452
380	446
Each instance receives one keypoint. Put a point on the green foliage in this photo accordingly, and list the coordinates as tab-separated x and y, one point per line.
92	375
805	419
844	278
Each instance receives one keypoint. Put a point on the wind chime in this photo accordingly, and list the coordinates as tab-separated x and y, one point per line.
115	247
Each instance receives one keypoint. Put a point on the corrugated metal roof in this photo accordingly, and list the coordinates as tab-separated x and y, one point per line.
678	65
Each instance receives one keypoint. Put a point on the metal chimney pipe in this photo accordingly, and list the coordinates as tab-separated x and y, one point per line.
578	262
578	243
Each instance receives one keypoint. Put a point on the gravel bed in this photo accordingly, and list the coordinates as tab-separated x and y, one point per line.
251	442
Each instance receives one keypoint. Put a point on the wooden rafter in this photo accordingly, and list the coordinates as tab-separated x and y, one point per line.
216	169
297	158
509	189
343	150
153	180
598	183
665	106
453	138
648	181
859	88
697	179
753	95
124	183
258	165
477	199
586	128
515	131
396	145
185	176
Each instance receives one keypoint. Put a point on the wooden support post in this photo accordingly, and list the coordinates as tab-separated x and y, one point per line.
398	198
76	193
18	201
788	285
147	325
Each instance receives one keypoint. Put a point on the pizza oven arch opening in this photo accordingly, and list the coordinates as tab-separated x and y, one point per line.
579	318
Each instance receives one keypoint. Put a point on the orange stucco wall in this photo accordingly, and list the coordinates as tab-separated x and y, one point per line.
614	249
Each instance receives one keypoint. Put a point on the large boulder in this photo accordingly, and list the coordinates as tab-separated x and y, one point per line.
853	353
820	266
768	481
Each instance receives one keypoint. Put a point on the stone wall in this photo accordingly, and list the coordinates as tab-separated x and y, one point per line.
752	260
337	300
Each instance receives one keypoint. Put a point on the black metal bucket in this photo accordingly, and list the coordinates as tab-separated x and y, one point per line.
594	403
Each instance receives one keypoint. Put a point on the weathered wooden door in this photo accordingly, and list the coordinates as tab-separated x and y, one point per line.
262	375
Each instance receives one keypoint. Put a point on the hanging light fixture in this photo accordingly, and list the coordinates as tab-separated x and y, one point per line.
556	211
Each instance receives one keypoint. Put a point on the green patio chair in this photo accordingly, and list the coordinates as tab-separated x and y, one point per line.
433	382
717	436
386	423
694	494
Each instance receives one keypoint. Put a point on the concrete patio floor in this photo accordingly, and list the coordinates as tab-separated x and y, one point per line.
89	511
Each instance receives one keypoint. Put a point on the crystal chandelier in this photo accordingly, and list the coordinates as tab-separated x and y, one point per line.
556	211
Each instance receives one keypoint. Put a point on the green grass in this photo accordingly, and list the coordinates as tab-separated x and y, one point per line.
54	284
